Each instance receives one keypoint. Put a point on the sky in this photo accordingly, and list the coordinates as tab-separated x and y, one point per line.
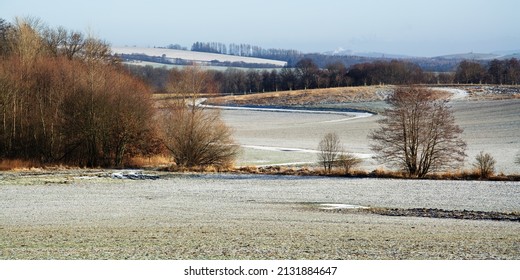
408	27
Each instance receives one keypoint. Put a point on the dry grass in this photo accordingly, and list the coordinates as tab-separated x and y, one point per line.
151	161
307	97
18	164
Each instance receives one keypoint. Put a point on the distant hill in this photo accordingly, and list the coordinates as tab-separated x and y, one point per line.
183	57
481	56
471	56
445	63
343	52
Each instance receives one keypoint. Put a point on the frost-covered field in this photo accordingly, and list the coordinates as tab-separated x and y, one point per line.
249	217
492	126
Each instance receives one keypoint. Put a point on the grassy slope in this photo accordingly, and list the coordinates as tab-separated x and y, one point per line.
307	97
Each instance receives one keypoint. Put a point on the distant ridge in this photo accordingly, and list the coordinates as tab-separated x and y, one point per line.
171	56
461	56
471	56
340	51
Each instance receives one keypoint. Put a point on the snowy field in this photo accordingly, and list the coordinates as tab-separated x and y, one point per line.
194	56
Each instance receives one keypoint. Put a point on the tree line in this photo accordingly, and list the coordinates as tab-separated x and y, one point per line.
308	75
495	72
248	50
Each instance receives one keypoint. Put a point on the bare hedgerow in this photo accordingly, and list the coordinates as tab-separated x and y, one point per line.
485	164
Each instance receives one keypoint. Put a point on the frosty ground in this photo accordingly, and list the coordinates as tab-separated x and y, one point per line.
84	216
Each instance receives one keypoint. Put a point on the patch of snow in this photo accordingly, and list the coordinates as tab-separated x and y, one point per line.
117	175
337	206
133	175
457	94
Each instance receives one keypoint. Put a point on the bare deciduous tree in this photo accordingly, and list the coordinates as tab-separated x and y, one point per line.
329	149
5	28
485	164
195	136
418	133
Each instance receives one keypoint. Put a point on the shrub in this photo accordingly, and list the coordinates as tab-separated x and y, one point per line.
197	137
347	161
485	164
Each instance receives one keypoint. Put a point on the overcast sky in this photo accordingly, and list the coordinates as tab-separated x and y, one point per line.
412	27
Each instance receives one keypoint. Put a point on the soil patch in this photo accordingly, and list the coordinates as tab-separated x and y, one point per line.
447	214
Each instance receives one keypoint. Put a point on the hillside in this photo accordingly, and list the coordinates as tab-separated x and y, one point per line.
170	56
306	97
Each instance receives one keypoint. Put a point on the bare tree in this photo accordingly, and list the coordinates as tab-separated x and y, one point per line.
418	133
54	39
195	136
348	161
307	71
485	164
5	28
517	159
198	137
25	39
329	149
73	44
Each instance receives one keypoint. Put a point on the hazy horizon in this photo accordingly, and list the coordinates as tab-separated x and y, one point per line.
405	27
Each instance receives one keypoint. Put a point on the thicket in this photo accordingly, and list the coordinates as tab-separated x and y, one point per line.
63	99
